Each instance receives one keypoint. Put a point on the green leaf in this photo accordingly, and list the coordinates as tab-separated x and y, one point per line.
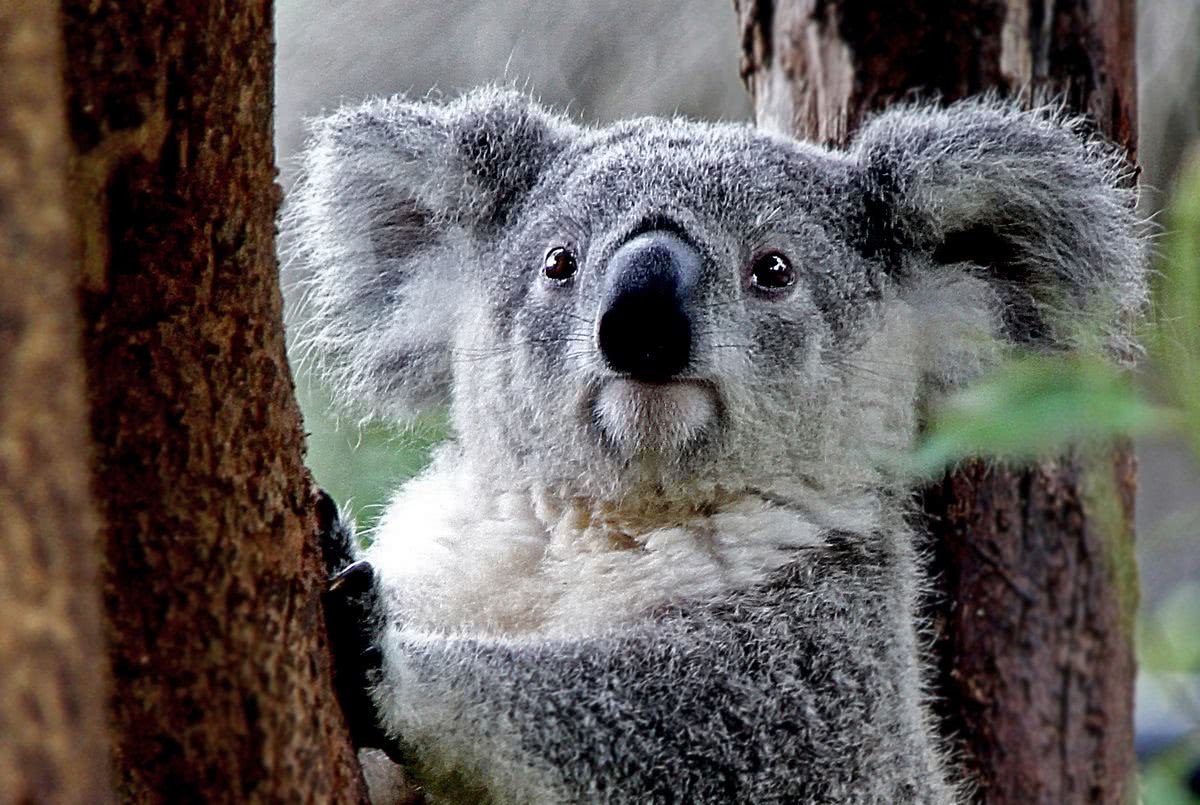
1034	407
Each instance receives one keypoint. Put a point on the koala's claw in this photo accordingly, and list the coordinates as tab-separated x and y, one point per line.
352	621
336	534
355	578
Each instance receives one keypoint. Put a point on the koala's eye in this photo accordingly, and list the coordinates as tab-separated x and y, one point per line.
560	264
772	272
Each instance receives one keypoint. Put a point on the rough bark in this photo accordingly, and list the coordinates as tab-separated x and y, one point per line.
817	67
221	678
1034	568
53	737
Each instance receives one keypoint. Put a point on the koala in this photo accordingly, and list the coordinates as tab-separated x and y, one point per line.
662	557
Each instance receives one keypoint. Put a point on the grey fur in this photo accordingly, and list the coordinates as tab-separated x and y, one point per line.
936	240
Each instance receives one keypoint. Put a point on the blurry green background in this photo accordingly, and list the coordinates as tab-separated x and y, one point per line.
608	59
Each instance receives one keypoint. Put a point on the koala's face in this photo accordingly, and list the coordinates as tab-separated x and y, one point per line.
667	302
661	305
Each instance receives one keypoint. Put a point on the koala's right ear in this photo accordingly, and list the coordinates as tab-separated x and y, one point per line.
395	202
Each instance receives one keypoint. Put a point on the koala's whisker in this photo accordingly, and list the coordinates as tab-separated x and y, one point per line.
470	359
718	304
481	353
463	354
859	371
763	222
577	317
863	360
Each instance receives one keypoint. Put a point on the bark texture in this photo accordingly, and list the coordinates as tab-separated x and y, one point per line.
1035	568
53	737
221	678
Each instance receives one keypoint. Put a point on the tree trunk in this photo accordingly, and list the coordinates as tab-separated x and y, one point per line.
1035	568
221	686
53	738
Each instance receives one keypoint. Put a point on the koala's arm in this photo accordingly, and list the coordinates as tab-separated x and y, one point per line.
805	690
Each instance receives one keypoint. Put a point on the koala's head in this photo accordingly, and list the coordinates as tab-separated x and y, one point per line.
678	302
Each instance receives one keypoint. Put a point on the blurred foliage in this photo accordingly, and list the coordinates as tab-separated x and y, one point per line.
1174	340
1171	642
1032	407
1171	777
1168	643
1169	636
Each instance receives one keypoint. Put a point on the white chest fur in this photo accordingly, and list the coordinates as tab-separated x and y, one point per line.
454	561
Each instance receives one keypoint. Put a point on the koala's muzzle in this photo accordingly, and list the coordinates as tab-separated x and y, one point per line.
645	330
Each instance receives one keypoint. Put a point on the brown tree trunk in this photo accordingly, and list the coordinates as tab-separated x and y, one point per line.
53	738
220	677
1035	568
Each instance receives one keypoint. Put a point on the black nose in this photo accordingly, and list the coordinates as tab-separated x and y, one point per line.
645	330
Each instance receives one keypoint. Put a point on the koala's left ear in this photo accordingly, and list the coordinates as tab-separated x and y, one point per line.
397	203
1019	201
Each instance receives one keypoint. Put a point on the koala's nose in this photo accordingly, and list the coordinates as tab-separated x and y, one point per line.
645	330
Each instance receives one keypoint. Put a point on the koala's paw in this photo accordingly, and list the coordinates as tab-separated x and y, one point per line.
337	534
353	618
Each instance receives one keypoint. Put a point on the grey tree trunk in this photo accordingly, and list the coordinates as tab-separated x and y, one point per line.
1035	569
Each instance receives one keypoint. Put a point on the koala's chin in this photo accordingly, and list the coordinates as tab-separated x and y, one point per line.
666	419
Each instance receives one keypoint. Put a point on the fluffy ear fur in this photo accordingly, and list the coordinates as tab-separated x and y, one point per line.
385	224
1035	219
